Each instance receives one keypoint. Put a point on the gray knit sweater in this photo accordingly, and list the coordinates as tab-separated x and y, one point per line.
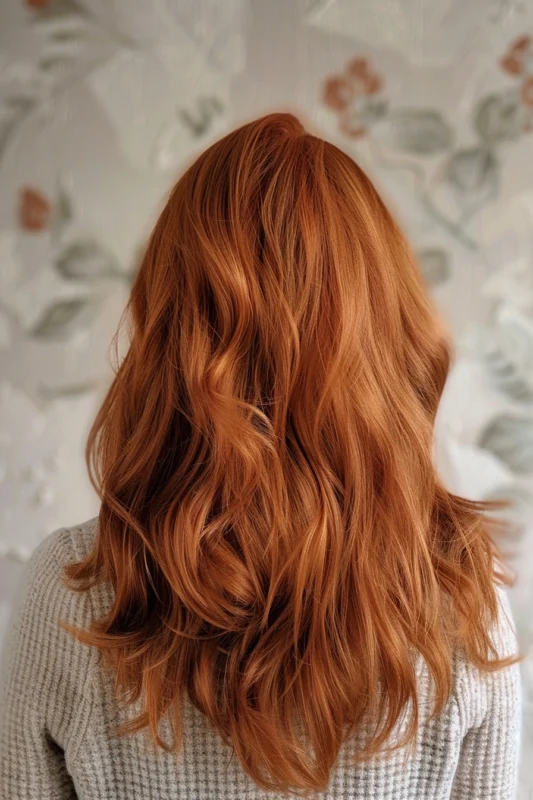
58	717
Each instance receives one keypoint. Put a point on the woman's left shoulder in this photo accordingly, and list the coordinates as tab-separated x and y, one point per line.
59	548
43	665
503	632
83	537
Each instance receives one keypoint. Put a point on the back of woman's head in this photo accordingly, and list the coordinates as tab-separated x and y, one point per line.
279	545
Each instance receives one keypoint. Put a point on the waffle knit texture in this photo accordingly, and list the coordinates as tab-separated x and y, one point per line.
58	718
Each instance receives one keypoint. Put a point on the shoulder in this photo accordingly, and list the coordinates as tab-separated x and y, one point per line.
37	650
59	548
42	585
73	542
503	632
42	578
45	669
479	693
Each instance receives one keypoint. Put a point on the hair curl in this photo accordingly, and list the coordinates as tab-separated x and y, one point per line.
271	522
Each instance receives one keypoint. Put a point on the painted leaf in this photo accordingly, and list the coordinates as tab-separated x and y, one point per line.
423	132
473	174
199	119
61	318
64	205
499	117
20	102
71	390
63	211
64	40
505	377
510	438
434	264
512	284
519	511
373	109
509	354
16	109
66	35
86	259
49	63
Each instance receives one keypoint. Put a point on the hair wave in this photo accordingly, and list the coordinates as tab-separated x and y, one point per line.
271	522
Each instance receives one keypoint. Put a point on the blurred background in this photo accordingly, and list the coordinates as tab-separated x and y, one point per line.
102	105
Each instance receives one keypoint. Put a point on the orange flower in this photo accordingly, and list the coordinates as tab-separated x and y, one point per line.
527	92
349	94
368	80
359	80
338	92
351	127
358	66
34	210
351	121
515	60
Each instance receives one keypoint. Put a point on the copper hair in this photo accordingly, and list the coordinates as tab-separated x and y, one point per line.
272	525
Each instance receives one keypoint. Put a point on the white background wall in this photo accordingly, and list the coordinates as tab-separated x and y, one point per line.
103	102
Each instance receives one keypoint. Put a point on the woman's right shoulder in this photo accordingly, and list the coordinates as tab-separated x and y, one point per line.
478	690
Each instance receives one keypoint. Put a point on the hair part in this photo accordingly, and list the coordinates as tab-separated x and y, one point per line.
277	540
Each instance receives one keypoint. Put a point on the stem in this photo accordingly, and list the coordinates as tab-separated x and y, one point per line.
451	227
420	179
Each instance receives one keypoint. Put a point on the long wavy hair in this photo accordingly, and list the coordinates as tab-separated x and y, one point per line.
272	525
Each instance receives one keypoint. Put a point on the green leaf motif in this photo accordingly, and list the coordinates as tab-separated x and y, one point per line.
88	260
48	63
507	377
199	120
18	108
373	110
71	390
423	132
65	36
61	318
499	117
509	354
64	205
510	438
63	211
434	264
19	102
473	173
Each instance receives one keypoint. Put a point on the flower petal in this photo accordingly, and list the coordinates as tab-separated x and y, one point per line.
512	64
34	210
337	93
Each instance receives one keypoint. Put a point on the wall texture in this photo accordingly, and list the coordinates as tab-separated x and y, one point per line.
102	103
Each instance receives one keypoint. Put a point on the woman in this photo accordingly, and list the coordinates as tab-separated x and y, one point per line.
278	594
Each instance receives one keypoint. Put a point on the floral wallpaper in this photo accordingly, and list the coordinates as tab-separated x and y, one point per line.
452	183
104	102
